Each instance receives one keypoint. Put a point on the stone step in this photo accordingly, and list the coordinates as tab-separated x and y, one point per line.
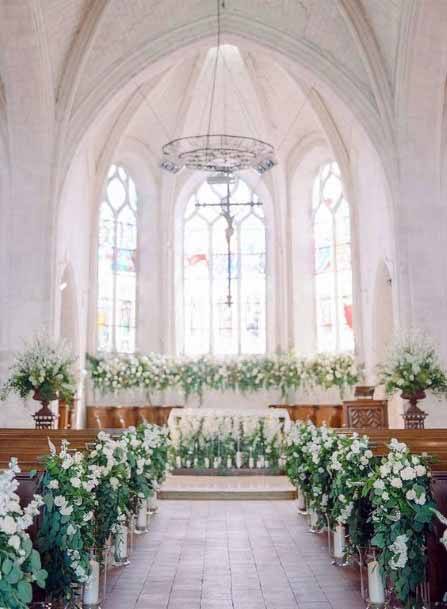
240	488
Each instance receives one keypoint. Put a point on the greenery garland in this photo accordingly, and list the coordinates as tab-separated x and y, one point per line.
109	468
194	376
402	512
66	532
350	464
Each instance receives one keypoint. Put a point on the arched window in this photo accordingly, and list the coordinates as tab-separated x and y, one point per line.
210	325
117	246
333	273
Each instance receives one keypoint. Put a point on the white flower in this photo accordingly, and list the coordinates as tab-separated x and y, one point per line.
379	484
410	495
396	482
75	482
420	470
408	473
71	530
385	496
53	484
8	525
114	483
14	541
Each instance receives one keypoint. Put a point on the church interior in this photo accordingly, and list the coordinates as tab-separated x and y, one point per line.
223	335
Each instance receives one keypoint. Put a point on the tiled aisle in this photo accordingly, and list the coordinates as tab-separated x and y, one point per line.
231	555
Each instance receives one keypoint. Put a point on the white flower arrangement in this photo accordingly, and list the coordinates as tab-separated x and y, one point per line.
217	440
412	366
402	509
194	376
43	367
20	564
66	533
338	474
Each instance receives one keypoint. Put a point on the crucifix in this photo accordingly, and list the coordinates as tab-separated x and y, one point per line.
226	206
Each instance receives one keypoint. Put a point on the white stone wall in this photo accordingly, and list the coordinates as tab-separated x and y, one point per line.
363	83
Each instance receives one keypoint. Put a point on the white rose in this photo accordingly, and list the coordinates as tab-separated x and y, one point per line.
8	525
379	484
75	482
53	484
14	541
114	483
396	482
410	495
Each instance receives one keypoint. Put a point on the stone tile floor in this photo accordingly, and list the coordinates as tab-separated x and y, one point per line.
231	555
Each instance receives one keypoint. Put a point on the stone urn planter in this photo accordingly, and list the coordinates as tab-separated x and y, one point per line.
414	417
44	418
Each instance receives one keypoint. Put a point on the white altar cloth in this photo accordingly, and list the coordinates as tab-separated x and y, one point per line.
221	413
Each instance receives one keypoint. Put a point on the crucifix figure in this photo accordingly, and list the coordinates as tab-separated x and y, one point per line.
226	206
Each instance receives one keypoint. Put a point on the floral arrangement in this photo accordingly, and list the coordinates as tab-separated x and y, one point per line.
350	464
412	366
44	368
225	440
402	512
299	436
109	470
20	564
66	534
147	458
384	501
316	454
194	376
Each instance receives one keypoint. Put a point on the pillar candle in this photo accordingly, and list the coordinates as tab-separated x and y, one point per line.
90	596
376	588
339	541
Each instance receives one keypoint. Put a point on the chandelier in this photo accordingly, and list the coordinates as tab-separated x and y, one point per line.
217	153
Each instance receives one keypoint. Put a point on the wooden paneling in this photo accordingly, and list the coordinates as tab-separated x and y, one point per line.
330	414
120	417
366	414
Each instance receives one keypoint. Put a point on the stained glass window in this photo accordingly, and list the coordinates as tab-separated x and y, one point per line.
333	273
210	325
117	246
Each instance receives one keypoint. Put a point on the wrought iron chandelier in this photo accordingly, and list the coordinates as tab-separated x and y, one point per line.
217	153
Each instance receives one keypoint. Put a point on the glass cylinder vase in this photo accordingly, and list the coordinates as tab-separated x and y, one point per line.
121	547
91	590
142	519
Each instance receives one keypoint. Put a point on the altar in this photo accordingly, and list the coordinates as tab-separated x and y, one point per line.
228	439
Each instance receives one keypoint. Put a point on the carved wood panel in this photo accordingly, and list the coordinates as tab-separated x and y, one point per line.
367	414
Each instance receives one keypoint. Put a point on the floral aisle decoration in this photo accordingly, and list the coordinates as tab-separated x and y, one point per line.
20	564
412	367
66	534
317	454
194	376
109	470
299	436
43	369
223	441
402	511
350	464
